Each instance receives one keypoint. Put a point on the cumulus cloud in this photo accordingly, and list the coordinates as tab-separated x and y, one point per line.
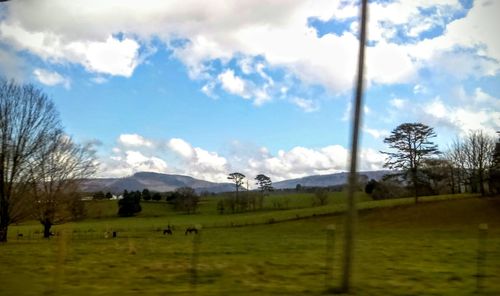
476	110
134	140
178	156
182	148
198	162
464	118
109	38
107	55
232	83
124	163
140	162
51	78
301	161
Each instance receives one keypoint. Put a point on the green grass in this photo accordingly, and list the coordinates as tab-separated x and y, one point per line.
401	249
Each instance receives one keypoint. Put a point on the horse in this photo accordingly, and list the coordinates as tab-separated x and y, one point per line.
190	230
168	230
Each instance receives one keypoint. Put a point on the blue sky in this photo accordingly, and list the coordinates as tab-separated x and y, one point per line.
252	86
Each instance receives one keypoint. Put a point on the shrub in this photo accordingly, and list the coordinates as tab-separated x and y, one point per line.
320	197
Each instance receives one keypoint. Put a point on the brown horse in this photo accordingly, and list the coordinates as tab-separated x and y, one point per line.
191	230
168	230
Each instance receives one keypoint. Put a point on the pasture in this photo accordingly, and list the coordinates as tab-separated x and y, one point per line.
401	249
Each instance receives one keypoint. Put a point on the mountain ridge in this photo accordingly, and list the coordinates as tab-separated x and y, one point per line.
169	182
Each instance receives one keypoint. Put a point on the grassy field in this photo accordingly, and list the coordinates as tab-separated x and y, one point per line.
401	249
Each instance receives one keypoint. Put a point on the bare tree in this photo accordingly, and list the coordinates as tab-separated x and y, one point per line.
494	183
27	119
412	145
478	149
55	177
438	176
187	200
456	155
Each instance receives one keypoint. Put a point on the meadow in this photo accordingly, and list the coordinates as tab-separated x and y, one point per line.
401	249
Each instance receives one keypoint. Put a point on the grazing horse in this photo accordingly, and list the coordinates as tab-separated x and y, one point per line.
190	230
168	230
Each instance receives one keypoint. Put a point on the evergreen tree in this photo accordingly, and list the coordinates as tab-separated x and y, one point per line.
411	147
146	195
130	204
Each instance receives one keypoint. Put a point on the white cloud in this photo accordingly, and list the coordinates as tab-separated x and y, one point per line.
107	55
134	140
141	162
51	78
436	109
232	83
99	80
129	162
398	103
182	148
376	133
198	162
208	89
476	111
463	118
307	105
419	89
300	161
389	63
106	38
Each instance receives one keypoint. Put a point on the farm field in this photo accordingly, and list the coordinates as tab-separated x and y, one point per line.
401	249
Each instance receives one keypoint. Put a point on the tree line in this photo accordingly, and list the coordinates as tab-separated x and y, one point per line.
40	165
469	164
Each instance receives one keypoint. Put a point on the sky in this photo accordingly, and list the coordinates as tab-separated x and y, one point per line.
206	88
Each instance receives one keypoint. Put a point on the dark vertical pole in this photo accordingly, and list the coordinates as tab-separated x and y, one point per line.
351	204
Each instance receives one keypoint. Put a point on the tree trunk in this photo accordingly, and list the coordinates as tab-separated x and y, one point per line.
415	185
3	233
452	178
46	229
481	183
4	221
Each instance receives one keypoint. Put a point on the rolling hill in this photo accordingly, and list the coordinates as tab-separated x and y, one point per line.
167	182
326	180
152	181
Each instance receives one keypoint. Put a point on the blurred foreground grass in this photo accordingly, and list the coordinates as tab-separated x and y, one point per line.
404	249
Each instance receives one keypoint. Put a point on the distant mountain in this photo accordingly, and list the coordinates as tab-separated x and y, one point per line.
152	181
166	182
326	180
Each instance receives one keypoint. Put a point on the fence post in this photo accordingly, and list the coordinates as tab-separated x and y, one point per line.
330	253
481	257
